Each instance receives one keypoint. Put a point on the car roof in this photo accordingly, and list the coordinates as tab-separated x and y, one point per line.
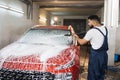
51	27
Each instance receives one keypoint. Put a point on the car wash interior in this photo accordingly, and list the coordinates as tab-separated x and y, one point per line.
17	16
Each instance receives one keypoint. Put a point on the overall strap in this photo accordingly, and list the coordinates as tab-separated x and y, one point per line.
102	32
106	31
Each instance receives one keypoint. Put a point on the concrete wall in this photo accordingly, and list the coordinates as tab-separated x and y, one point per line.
35	14
44	17
117	50
119	13
100	13
13	24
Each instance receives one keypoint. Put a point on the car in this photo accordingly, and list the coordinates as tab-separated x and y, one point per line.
42	53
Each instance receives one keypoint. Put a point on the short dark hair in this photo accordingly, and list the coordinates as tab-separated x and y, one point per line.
94	17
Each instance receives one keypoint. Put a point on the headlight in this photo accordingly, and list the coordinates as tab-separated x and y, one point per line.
69	64
63	76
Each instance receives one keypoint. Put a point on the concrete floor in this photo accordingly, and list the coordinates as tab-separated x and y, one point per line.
84	54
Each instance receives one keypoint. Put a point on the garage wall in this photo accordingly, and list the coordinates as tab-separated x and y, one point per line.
35	14
13	24
100	13
117	50
61	18
118	37
119	13
44	17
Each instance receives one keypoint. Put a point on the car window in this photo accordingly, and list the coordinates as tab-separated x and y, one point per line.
47	36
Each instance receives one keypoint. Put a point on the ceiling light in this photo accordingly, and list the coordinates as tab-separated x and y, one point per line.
16	10
55	18
11	9
2	6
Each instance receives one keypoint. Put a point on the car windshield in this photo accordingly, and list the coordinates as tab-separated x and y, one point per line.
47	36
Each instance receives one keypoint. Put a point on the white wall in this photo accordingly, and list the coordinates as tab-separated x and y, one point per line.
119	13
13	24
117	50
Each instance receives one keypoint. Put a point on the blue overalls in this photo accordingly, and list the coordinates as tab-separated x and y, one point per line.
98	60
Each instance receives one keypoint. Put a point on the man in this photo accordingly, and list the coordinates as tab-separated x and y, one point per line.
99	45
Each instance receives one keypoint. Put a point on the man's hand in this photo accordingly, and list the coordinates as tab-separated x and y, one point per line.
71	29
76	36
80	41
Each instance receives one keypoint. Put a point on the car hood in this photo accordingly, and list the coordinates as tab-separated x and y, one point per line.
43	51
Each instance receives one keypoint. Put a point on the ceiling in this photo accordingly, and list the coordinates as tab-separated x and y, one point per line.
70	7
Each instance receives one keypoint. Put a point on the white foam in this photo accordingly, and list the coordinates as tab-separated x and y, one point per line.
43	43
18	50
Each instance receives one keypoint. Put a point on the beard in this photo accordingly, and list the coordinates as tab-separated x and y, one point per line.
91	26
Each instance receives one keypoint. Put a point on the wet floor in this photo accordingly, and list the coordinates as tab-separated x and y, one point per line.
110	75
113	72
